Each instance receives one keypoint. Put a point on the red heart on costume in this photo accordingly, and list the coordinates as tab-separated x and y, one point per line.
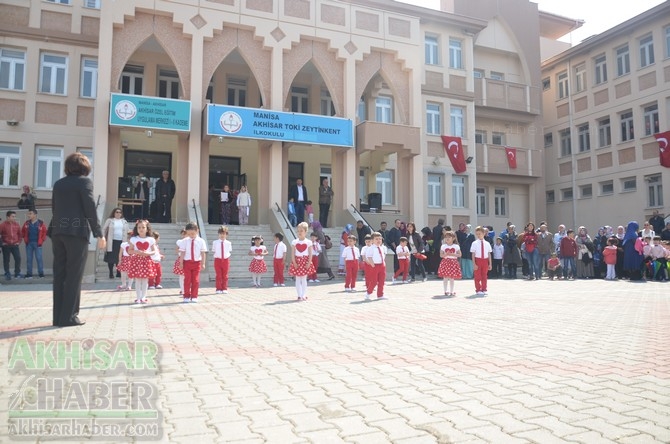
258	251
142	246
449	250
301	247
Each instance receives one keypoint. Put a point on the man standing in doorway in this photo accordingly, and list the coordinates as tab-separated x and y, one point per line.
325	200
165	191
299	194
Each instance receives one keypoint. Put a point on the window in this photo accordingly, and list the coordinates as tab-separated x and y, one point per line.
604	133
132	79
548	140
627	132
457	121
89	78
168	83
327	107
497	76
584	138
95	4
299	99
88	152
237	92
628	184
384	182
62	2
586	191
435	190
546	84
566	194
455	54
667	42
12	69
478	73
48	168
362	185
601	69
458	192
606	188
498	139
651	126
9	165
481	201
551	196
383	109
500	201
432	50
654	191
646	51
480	136
580	77
53	74
562	81
566	143
433	119
622	60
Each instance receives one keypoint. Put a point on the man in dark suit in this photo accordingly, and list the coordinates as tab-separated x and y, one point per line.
165	191
299	194
74	218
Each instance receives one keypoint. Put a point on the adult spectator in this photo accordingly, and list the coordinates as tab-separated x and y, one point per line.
74	218
657	222
511	253
467	269
437	233
416	247
647	231
10	233
599	244
34	232
26	202
115	230
665	234
243	205
632	252
325	201
584	254
384	231
141	192
361	231
558	236
165	190
299	194
324	262
545	246
393	240
531	252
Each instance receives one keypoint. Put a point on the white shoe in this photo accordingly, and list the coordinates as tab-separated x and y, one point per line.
484	293
405	282
152	288
425	279
138	301
353	290
159	287
217	292
393	281
282	285
224	291
316	280
310	280
367	296
382	298
145	301
274	285
346	289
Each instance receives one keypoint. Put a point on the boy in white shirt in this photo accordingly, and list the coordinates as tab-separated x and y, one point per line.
192	259
316	250
375	257
351	257
481	255
403	261
278	260
222	249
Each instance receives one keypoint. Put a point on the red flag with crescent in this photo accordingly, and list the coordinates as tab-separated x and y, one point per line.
663	140
511	156
454	149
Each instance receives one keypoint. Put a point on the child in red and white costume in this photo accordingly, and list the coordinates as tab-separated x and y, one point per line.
221	249
176	268
278	260
301	261
449	268
481	255
124	261
316	251
141	248
375	256
155	280
351	257
403	261
257	266
192	259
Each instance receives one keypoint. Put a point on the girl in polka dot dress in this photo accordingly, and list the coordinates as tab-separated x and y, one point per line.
176	268
449	268
301	262
141	266
124	261
257	266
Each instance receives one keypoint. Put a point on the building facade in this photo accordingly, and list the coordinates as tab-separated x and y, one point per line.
604	100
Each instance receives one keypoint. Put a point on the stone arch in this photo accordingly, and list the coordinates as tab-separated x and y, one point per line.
391	70
129	38
218	48
325	61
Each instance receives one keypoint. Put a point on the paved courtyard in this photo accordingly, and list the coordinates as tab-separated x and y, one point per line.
542	362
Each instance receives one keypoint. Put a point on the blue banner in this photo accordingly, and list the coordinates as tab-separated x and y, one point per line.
150	112
254	123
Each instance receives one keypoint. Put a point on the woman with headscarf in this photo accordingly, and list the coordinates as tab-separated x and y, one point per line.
584	254
620	272
467	269
511	254
344	239
531	252
416	247
324	263
632	252
599	244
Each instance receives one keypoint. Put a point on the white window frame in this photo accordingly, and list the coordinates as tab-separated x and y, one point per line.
627	126
600	69
580	77
432	49
654	190
384	109
651	124
455	53
384	184
168	78
327	106
606	188
500	202
88	152
495	75
567	194
550	196
11	61
48	166
604	132
59	2
622	60
89	69
433	119
435	190
481	137
299	99
10	154
647	51
131	74
584	137
93	4
548	140
563	82
238	88
457	120
628	184
478	73
498	139
458	191
51	71
586	191
566	142
482	200
667	42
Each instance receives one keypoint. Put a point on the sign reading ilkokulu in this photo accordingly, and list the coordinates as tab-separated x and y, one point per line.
150	112
254	123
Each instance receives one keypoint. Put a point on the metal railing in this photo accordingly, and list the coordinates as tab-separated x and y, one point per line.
286	221
359	214
195	211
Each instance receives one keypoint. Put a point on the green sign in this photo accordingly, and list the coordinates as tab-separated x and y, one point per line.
150	112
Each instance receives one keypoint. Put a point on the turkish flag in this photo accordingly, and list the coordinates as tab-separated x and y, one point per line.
664	148
511	156
454	149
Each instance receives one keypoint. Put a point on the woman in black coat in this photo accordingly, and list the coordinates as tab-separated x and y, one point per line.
415	244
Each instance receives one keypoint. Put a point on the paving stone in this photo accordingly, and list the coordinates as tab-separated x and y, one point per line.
282	434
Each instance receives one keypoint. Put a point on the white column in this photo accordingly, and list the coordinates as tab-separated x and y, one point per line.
195	139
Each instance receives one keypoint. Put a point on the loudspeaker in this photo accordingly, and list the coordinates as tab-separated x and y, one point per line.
375	201
125	188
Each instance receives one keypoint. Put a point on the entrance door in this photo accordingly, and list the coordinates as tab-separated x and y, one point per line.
151	164
296	170
223	171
